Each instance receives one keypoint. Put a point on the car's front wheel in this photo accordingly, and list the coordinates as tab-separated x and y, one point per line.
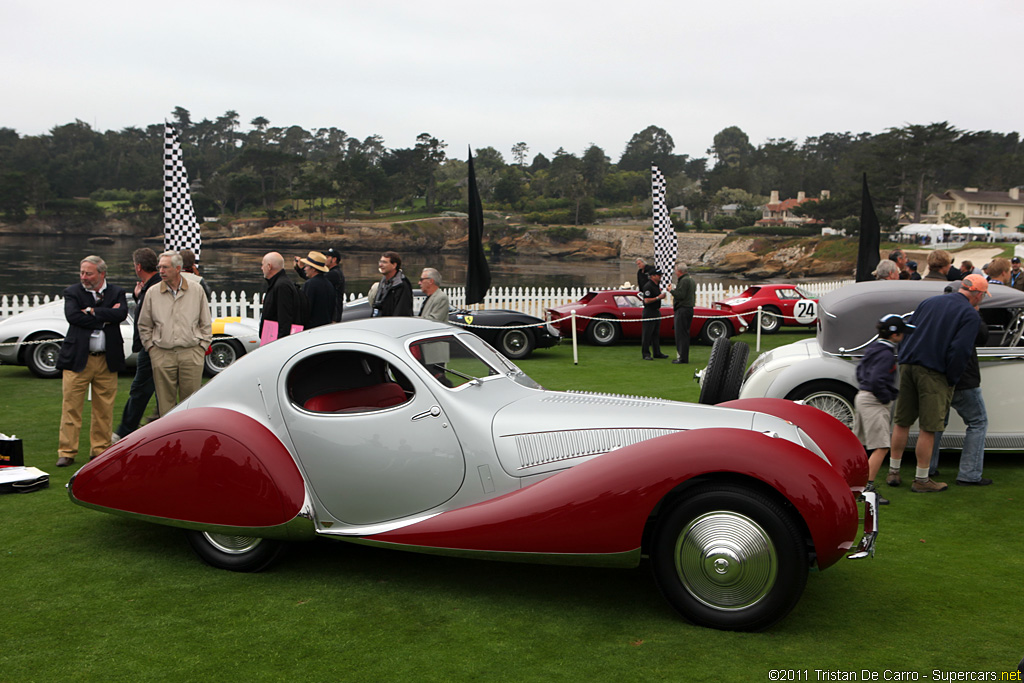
713	329
730	557
223	352
41	357
516	344
835	398
235	553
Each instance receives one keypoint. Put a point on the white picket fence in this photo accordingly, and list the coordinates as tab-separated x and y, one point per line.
530	300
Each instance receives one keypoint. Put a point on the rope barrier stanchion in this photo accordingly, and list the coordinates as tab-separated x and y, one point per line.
575	349
758	319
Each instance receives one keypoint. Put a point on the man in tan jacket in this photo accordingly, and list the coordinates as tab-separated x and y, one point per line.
175	329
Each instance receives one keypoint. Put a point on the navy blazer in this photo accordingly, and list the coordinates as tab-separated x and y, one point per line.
74	352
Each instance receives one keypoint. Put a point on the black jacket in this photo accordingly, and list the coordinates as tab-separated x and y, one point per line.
281	304
74	352
337	278
394	300
321	295
136	340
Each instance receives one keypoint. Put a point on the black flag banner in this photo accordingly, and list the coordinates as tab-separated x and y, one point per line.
181	230
478	274
666	246
870	238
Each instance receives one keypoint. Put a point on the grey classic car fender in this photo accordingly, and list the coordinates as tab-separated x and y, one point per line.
792	381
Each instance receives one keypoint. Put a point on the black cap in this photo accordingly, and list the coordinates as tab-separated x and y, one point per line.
912	265
893	323
656	272
1015	259
332	252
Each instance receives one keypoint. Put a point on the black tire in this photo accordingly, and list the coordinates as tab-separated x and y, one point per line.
835	398
730	557
714	373
715	328
734	372
234	553
41	358
771	320
603	332
223	352
516	344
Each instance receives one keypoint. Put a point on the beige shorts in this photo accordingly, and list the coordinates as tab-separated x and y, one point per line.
872	421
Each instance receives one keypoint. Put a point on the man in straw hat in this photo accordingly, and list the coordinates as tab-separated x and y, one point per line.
319	292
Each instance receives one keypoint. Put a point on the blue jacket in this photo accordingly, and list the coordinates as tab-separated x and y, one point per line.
946	325
876	371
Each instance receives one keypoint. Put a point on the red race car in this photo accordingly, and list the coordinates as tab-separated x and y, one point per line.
609	315
781	304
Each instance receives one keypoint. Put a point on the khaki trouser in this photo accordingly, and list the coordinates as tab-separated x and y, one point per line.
177	374
104	391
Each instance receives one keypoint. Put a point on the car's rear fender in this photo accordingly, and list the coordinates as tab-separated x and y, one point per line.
209	468
601	507
806	370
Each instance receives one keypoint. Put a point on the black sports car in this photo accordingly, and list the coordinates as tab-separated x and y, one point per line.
516	342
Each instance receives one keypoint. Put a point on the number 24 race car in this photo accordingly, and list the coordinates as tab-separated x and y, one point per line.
414	435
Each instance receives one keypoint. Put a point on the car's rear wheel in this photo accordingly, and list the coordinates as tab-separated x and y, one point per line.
730	557
41	357
734	372
223	352
714	373
516	344
835	398
603	332
715	328
234	553
771	320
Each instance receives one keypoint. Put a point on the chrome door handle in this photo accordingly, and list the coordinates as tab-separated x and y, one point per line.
433	412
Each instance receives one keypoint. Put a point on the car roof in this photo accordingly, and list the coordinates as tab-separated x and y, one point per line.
847	316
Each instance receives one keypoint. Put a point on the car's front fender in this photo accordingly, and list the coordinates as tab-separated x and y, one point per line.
779	383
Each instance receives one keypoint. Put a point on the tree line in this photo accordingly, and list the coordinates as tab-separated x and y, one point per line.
256	170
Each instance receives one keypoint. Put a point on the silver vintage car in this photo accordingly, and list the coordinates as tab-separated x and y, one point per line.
415	435
822	371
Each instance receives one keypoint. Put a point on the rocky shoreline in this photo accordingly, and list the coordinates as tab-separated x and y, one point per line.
753	257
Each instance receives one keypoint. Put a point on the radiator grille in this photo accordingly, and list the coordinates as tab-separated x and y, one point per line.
548	447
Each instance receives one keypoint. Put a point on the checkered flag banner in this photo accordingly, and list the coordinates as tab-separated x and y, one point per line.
666	247
181	230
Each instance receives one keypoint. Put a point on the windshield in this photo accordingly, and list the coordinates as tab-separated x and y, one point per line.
455	360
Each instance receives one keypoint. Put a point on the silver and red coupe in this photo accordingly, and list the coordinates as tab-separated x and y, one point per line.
781	304
414	435
604	317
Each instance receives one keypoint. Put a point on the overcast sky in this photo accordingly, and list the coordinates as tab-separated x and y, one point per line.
486	73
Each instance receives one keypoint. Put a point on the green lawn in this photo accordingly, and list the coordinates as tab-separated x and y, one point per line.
92	597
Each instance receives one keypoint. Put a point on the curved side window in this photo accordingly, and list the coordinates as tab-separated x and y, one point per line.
449	361
347	382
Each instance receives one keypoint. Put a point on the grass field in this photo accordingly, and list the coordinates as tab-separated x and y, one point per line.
92	597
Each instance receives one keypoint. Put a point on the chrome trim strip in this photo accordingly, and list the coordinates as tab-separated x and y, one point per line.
627	559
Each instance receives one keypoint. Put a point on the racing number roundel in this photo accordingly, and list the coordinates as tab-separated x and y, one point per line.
805	311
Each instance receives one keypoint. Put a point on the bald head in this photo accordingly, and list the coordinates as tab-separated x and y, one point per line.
273	263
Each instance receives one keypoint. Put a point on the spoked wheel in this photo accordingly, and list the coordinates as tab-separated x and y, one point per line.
771	320
835	398
235	553
713	329
223	352
41	357
603	332
731	558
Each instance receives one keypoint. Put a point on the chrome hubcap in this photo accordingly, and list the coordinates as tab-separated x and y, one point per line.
726	560
832	404
233	545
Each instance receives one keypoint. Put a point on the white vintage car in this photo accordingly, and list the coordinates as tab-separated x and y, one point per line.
33	338
822	371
